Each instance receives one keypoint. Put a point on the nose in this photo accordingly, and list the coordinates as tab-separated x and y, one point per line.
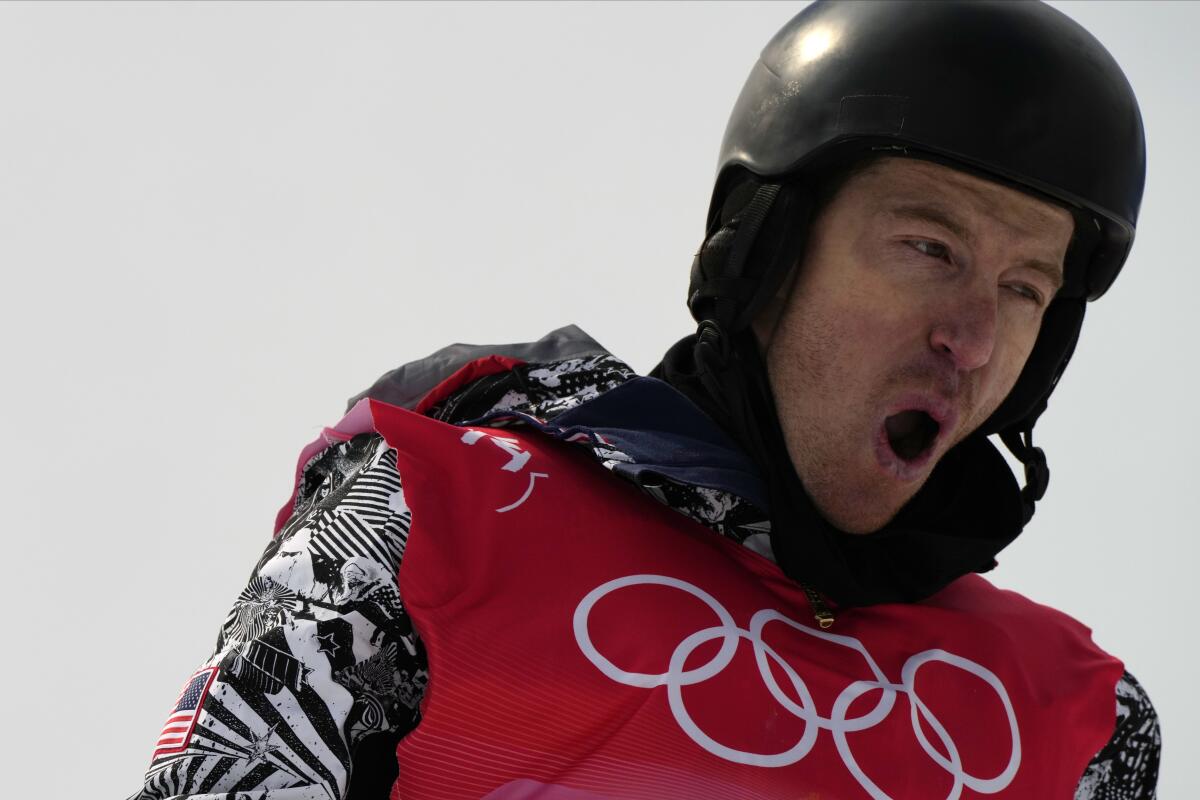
966	332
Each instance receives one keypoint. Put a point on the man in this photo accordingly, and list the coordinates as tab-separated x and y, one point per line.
522	571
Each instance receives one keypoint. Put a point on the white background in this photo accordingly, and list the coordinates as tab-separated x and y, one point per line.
219	221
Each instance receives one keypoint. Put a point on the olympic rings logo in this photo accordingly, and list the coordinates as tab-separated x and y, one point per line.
838	723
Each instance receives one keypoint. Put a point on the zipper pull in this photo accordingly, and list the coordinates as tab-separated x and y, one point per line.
821	612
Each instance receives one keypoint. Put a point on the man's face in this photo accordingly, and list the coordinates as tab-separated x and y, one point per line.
912	313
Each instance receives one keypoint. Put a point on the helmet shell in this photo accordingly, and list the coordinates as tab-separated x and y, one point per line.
1013	90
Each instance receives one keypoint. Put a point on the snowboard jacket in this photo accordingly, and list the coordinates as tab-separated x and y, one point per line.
319	671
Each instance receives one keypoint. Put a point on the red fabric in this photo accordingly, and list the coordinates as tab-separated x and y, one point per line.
469	372
556	602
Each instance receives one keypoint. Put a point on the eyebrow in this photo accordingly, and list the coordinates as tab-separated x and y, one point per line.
937	215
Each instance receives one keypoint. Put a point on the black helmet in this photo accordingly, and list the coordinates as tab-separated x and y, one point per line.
1011	90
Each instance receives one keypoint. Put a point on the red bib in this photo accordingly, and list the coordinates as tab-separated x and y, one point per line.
586	642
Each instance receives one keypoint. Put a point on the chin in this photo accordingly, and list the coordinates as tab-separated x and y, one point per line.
855	496
862	525
853	515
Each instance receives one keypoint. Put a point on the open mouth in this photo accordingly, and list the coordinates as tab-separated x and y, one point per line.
911	433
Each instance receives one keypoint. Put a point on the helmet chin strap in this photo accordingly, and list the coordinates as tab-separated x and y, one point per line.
1019	441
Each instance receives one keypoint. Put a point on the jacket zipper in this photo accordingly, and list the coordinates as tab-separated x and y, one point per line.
821	612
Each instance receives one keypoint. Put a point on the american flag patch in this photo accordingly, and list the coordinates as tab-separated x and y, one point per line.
177	731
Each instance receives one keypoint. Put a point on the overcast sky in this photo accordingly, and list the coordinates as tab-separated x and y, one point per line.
219	221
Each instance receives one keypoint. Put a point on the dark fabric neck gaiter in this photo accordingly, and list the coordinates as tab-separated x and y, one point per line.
968	510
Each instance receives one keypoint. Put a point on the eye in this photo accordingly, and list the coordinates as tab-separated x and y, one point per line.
1026	292
932	249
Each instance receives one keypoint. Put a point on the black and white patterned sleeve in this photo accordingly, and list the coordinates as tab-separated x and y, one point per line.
317	671
1127	767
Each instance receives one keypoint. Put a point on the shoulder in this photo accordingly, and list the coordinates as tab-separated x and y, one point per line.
1005	606
465	383
457	384
554	365
1127	765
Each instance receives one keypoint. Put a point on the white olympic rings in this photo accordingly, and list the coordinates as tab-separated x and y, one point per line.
837	723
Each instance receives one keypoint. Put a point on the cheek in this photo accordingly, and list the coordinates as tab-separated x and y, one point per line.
819	337
1013	350
882	333
833	358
